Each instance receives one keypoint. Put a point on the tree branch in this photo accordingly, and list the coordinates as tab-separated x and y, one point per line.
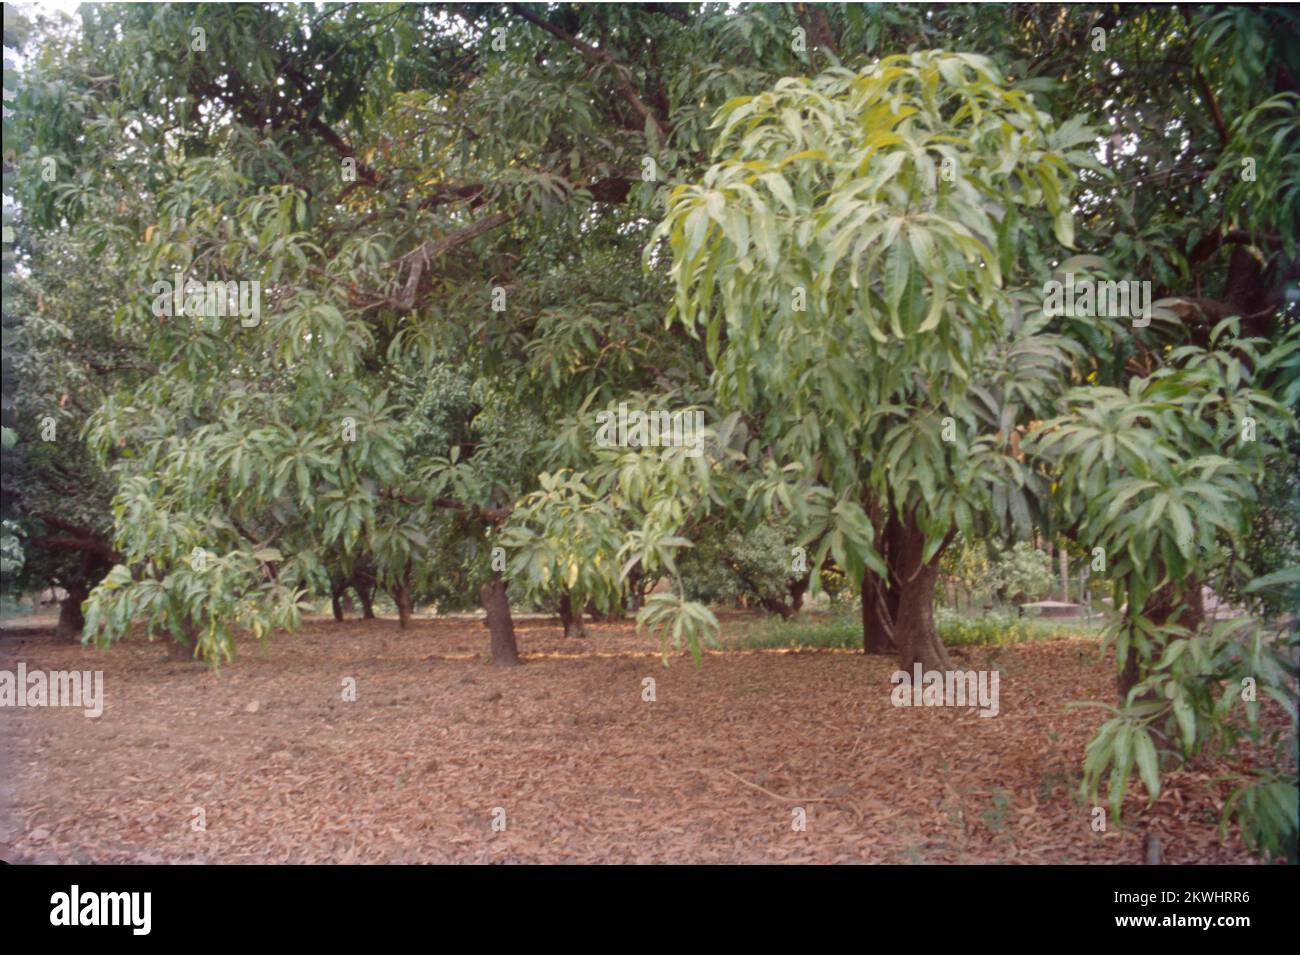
813	19
613	189
418	259
1211	242
598	57
88	544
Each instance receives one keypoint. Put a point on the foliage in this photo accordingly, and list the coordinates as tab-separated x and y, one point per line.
860	243
1165	480
639	499
1200	698
551	563
720	568
1024	573
465	247
1016	575
996	628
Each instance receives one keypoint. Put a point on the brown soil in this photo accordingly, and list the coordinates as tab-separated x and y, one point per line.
585	770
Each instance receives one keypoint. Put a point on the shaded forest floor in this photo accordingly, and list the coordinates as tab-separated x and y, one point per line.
438	740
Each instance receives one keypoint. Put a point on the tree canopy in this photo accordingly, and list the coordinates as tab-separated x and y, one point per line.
331	294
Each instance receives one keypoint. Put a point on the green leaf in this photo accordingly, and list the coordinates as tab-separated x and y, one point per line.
1063	226
1147	761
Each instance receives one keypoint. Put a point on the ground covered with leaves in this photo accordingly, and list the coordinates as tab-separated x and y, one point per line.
568	751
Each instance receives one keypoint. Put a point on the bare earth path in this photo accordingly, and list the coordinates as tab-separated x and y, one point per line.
438	743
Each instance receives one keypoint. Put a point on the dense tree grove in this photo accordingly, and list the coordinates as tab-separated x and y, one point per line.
328	298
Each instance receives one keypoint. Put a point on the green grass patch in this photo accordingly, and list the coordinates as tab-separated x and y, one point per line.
843	628
1000	628
836	629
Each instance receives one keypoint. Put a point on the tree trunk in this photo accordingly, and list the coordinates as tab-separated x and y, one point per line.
336	601
915	634
635	595
572	621
778	607
1129	677
1065	575
366	594
402	597
71	621
1160	609
614	615
499	623
880	595
878	621
797	590
183	650
914	631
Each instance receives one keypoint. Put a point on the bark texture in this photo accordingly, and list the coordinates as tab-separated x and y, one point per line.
500	625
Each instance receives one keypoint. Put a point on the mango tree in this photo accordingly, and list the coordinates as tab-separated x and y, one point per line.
1162	482
851	260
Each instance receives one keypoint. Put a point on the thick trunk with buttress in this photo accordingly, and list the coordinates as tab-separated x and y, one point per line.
880	594
915	633
879	611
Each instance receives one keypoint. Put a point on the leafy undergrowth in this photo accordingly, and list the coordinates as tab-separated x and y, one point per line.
1006	627
583	766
